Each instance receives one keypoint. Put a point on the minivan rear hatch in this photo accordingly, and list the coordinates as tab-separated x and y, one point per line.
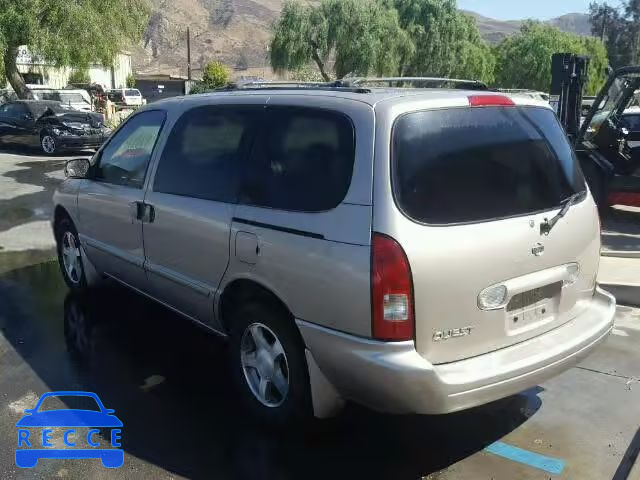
472	187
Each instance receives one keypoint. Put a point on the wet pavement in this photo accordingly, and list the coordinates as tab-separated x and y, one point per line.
621	232
27	182
167	381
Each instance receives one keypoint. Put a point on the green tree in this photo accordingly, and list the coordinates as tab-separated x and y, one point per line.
79	76
67	33
357	36
446	42
524	60
131	81
215	75
619	27
383	37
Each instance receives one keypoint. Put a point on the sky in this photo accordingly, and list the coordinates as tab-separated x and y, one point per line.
519	9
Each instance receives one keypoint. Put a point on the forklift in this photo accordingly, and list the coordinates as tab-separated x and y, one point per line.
609	153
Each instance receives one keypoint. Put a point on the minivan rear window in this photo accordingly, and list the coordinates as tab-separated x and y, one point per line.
468	165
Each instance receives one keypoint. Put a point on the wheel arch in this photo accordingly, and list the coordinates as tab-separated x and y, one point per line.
59	213
244	289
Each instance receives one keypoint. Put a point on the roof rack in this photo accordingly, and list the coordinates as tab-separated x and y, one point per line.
292	84
518	90
437	82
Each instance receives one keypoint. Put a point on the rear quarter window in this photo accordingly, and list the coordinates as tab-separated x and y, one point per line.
303	160
466	165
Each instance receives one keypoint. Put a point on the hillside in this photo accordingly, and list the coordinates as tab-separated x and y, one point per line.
496	30
237	32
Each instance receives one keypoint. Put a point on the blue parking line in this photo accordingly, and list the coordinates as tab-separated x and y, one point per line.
535	460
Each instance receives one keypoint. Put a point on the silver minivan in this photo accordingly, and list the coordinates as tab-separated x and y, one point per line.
412	250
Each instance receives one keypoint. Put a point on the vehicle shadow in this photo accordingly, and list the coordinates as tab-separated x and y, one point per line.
36	152
168	383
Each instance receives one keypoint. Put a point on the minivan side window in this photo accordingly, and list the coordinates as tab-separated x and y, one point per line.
125	159
203	153
303	160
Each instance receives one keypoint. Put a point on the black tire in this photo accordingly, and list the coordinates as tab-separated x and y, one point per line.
44	148
296	407
63	228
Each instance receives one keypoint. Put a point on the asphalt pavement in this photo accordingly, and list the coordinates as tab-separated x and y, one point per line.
167	381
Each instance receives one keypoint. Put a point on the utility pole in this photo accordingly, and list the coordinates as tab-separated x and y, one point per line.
188	54
605	16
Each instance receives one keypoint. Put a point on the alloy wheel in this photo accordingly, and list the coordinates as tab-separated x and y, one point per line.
48	144
265	365
71	258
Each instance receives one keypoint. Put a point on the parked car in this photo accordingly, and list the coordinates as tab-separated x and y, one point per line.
128	97
631	122
50	126
412	250
76	99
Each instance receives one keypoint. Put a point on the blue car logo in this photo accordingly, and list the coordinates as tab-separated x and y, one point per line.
29	452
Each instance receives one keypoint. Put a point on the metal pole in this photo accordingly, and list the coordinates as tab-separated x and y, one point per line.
188	54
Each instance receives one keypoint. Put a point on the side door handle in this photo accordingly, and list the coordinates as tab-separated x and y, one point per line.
143	212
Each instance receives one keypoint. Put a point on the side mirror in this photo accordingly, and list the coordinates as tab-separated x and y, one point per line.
625	131
77	168
28	116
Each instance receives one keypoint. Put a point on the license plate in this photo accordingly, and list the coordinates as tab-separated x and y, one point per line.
530	298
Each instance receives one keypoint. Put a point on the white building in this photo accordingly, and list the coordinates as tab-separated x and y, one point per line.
36	71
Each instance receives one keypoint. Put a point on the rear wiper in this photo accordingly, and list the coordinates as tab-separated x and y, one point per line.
567	203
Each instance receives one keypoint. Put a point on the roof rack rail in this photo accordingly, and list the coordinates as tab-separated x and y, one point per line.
292	84
438	82
518	90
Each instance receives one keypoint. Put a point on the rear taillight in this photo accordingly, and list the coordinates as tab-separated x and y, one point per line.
391	291
490	101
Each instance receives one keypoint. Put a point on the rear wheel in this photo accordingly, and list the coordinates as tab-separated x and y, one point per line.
269	366
48	144
69	255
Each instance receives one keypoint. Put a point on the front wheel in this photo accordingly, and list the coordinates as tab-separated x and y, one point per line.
269	365
48	144
69	255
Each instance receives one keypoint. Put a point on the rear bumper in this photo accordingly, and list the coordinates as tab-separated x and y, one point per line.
394	378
